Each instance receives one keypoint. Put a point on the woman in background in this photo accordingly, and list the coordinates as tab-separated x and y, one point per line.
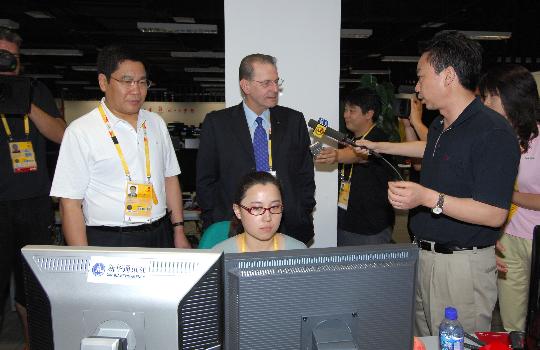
512	91
258	208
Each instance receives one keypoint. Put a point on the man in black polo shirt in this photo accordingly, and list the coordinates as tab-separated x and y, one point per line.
25	205
364	214
469	166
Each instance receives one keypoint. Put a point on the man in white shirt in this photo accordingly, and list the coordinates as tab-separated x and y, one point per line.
113	148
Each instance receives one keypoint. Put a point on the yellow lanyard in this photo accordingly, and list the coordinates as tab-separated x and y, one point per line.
8	130
243	242
343	165
119	149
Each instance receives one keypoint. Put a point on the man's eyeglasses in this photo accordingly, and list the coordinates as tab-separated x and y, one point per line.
267	83
127	82
257	211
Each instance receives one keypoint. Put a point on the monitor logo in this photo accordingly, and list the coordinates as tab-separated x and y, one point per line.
98	269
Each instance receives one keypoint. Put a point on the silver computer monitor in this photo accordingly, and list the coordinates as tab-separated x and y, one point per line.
123	298
359	298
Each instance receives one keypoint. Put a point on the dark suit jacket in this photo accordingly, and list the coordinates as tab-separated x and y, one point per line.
226	154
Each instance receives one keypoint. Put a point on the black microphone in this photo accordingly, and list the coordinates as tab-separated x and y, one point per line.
319	130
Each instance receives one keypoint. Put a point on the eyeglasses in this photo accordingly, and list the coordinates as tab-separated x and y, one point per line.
257	211
267	83
128	82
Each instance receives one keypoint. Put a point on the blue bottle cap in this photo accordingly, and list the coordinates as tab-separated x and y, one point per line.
450	313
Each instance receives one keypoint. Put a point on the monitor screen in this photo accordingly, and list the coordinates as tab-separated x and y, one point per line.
533	312
321	298
123	298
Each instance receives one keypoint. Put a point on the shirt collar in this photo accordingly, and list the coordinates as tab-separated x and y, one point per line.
251	116
113	119
465	115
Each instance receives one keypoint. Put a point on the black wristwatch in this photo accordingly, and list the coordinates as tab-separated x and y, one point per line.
439	206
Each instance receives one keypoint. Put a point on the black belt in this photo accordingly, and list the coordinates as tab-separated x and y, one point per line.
139	228
444	248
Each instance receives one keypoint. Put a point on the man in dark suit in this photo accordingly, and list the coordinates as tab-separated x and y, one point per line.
255	135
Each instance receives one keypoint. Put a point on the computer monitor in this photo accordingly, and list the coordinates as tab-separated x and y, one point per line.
123	298
357	298
533	311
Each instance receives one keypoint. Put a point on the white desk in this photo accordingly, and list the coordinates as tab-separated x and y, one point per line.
432	342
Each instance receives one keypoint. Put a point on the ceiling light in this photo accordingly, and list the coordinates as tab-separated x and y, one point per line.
197	54
345	80
184	19
39	14
182	28
44	76
9	24
91	88
84	68
432	24
206	85
72	82
204	70
208	79
356	33
484	35
51	52
370	71
400	59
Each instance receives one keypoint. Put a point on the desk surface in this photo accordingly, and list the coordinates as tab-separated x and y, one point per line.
191	215
432	342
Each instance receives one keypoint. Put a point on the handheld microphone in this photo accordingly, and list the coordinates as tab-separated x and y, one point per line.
320	130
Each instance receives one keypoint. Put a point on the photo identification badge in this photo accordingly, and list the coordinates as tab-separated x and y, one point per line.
138	204
23	158
344	190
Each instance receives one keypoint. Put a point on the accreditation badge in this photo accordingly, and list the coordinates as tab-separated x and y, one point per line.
23	158
344	190
138	204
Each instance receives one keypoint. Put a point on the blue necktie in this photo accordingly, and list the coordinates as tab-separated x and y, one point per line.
260	147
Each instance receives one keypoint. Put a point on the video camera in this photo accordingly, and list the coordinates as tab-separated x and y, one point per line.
15	92
402	105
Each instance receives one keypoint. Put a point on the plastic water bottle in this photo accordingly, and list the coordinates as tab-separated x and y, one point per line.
451	331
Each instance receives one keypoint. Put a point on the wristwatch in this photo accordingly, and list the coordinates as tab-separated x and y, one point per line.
439	206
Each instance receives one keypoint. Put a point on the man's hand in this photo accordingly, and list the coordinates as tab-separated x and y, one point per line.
180	240
365	146
328	155
407	195
501	265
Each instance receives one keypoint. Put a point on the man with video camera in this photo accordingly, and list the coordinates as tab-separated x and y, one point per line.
29	117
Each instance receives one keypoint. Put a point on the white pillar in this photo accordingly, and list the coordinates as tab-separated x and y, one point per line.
304	36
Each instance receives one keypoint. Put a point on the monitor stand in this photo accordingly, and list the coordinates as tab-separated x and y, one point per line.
329	332
110	335
104	343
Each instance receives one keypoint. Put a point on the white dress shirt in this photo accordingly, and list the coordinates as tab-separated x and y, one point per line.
89	166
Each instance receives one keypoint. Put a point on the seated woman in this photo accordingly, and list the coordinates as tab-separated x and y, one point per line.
257	214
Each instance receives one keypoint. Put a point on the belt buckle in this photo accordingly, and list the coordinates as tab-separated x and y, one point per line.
439	248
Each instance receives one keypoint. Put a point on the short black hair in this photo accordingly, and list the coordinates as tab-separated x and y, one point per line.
453	49
12	37
367	99
518	91
110	57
